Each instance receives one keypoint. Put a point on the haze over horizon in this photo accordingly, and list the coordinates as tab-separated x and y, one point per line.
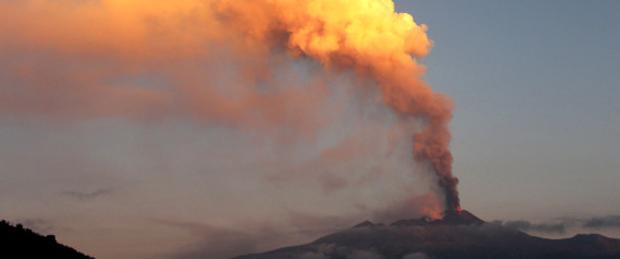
535	87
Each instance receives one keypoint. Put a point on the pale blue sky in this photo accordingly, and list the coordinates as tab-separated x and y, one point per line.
536	86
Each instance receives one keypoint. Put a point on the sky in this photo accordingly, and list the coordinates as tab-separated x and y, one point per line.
534	86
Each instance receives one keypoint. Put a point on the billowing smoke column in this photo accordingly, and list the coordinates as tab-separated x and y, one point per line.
97	42
369	37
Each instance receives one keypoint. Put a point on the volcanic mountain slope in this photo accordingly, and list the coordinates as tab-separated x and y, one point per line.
457	235
20	242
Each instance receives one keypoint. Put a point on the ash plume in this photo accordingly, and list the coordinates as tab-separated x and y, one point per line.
330	32
185	42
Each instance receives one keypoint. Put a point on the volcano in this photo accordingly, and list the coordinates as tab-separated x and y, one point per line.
459	234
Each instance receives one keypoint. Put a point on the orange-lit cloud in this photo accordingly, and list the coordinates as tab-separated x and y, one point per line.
159	58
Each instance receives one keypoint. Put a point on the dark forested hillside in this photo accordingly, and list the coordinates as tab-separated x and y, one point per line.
19	242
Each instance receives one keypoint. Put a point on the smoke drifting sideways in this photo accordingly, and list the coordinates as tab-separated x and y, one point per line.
150	59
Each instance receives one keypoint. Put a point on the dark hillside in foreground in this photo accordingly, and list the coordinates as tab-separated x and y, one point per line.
19	242
458	235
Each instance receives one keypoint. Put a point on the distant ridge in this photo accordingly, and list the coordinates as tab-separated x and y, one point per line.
19	242
459	234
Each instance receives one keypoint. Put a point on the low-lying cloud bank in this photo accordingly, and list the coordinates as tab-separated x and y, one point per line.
562	225
612	221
